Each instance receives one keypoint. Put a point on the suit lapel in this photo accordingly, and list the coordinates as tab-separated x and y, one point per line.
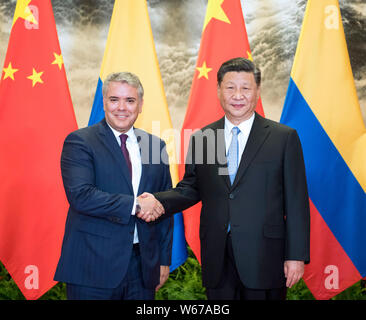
144	144
221	160
257	136
111	144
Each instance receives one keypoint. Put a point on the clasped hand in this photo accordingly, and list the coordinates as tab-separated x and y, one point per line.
151	209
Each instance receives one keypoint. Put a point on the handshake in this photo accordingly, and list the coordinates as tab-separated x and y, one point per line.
151	209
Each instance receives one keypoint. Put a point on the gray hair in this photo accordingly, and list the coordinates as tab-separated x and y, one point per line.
123	77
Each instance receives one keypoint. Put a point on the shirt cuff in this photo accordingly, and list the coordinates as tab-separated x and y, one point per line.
134	207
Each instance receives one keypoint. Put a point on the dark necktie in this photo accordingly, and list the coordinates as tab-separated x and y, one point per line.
125	152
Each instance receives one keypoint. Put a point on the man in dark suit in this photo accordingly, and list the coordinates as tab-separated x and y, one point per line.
249	173
107	252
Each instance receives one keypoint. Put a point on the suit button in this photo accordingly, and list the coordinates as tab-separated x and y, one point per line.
231	196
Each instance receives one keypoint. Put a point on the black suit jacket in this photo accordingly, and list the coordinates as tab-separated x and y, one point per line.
267	205
99	231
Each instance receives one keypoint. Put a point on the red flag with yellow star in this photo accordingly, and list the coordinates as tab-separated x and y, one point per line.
36	114
224	37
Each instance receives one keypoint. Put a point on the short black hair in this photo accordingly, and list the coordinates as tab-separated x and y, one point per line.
239	65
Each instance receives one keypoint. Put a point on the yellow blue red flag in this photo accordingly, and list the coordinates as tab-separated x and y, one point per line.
130	47
322	105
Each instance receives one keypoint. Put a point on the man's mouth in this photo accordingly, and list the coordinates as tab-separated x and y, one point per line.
121	116
238	105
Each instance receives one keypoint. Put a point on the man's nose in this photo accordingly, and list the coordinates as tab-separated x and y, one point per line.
121	105
238	94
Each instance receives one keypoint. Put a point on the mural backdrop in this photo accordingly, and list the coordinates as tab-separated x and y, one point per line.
273	28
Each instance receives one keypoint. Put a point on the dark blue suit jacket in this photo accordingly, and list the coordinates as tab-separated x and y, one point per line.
99	230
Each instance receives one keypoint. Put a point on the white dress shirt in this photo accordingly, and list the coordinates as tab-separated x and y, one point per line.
245	128
135	157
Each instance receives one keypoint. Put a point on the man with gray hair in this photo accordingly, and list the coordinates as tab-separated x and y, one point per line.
107	252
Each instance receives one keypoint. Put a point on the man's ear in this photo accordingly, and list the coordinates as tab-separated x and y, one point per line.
258	92
140	105
218	91
103	105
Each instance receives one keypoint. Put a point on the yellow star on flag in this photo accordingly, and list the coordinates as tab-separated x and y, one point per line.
35	77
249	56
9	72
58	60
214	10
203	71
23	11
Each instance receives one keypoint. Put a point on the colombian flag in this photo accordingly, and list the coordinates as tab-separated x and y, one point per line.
130	47
322	105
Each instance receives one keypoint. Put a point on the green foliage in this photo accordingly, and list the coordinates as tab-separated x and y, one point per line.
184	283
299	292
355	292
10	291
8	288
58	292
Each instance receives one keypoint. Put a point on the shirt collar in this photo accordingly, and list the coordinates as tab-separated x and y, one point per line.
244	126
130	133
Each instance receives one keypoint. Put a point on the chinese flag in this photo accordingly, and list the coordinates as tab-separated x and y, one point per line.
36	114
224	37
